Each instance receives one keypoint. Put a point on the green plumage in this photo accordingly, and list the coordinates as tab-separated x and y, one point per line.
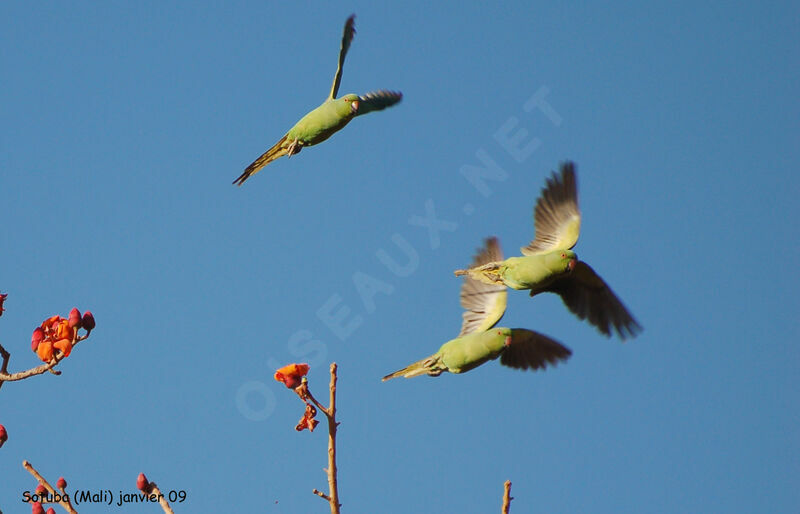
534	272
327	119
321	123
479	342
549	265
468	352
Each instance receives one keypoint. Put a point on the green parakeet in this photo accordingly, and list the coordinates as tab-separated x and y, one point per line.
478	342
324	121
550	265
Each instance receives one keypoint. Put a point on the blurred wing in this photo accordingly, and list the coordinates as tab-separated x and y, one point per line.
556	218
347	37
377	101
484	304
589	297
529	349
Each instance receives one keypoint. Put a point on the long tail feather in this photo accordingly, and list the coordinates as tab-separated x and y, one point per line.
429	366
486	273
267	157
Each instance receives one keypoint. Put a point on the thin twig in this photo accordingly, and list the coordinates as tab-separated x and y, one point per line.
64	503
330	413
305	394
5	376
333	486
506	496
321	494
4	367
161	499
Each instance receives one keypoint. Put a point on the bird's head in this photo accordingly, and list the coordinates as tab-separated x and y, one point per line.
352	101
505	333
561	261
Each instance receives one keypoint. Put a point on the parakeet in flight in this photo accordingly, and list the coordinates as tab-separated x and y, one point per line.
334	113
549	264
478	342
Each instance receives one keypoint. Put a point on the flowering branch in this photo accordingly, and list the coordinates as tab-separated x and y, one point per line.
64	497
150	488
58	356
330	414
52	342
293	376
506	496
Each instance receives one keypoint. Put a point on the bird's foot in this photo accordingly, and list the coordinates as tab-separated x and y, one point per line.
294	147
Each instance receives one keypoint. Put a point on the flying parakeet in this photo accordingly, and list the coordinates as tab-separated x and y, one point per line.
549	264
334	113
478	342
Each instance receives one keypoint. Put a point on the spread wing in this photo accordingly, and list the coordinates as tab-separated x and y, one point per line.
347	37
529	349
556	218
377	101
589	297
484	304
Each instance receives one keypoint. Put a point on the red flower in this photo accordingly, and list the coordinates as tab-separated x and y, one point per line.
51	510
45	351
36	508
40	490
3	435
65	345
2	299
36	338
63	330
61	484
49	322
307	421
292	374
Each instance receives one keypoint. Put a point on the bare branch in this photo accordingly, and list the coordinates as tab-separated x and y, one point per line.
161	499
64	503
506	496
321	494
333	486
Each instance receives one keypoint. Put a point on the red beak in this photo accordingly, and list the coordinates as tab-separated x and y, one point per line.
354	106
572	264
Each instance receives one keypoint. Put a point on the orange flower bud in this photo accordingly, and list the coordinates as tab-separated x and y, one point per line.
61	484
45	351
75	318
65	345
37	337
292	374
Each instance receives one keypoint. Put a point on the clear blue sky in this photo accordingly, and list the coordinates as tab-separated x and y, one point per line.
123	125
